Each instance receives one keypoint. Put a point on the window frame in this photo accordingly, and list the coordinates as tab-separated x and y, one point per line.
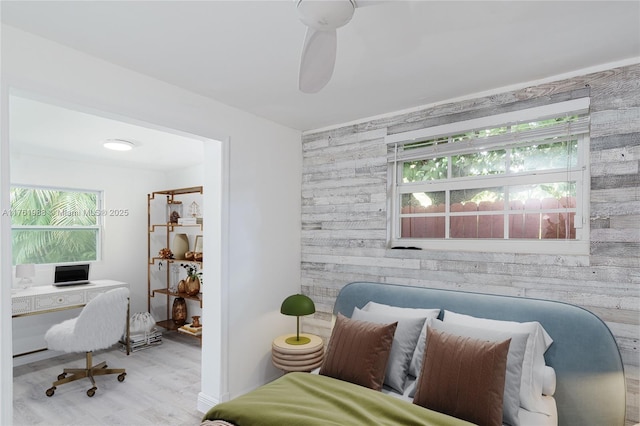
98	213
395	188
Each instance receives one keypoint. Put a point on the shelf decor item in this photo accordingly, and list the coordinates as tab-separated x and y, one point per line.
192	286
194	209
297	305
179	311
197	248
192	283
165	253
196	321
167	287
174	210
191	330
180	246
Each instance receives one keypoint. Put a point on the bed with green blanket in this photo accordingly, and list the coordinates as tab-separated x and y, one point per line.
403	355
312	399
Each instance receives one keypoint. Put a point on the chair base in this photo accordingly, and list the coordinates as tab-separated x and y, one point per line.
72	374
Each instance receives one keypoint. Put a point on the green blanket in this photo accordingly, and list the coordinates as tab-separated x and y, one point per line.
311	399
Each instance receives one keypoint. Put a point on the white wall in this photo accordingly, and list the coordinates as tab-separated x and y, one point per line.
261	256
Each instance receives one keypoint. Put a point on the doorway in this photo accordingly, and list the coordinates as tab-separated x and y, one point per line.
28	158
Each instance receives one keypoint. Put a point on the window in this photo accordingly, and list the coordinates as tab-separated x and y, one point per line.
513	182
52	225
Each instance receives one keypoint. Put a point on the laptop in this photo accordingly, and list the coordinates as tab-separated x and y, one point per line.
71	275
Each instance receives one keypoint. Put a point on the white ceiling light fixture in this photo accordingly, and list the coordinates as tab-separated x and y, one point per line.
119	144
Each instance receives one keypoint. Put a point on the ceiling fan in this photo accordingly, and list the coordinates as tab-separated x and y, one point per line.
322	19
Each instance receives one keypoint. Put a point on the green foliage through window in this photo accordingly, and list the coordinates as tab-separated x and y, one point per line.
54	225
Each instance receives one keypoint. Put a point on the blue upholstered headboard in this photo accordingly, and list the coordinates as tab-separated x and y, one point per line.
590	386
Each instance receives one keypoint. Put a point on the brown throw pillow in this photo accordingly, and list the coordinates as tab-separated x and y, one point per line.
358	352
463	377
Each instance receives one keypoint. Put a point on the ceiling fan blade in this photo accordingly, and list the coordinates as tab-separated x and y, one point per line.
318	60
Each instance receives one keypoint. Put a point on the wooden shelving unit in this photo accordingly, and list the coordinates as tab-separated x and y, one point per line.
168	229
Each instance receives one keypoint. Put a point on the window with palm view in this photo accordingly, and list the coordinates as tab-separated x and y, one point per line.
53	225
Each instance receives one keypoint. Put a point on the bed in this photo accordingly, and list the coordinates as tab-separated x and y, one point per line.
581	379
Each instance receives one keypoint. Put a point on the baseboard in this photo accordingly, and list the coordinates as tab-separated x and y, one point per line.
34	356
206	402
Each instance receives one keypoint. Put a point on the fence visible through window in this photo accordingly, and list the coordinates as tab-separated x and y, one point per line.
547	218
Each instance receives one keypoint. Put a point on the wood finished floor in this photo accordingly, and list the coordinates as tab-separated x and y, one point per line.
161	388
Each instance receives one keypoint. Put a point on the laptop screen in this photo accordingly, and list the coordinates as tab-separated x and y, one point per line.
71	274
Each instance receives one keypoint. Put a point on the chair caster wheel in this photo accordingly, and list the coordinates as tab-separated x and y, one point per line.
121	377
91	392
62	376
51	391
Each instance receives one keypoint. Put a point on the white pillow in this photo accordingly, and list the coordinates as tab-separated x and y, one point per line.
418	353
533	363
404	343
549	381
397	310
416	359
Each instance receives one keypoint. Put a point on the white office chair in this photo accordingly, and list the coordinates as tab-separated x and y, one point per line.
101	323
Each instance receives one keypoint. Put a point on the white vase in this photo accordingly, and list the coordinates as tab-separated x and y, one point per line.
180	246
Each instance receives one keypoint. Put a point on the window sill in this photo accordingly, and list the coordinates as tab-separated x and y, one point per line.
550	247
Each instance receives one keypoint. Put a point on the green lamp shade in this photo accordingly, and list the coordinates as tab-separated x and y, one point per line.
297	305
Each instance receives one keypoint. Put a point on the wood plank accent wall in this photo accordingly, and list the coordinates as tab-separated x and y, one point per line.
344	215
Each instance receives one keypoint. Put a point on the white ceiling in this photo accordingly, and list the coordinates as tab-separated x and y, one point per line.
393	55
44	129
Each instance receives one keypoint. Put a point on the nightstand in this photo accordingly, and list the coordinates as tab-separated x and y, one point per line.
289	357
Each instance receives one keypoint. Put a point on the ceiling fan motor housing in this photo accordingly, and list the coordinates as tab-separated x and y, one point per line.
325	15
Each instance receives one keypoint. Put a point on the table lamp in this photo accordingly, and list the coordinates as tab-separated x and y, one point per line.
297	305
25	272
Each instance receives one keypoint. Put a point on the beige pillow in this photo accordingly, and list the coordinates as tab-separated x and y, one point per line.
463	377
358	352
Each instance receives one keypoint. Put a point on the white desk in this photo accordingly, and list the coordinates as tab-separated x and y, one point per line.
37	308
